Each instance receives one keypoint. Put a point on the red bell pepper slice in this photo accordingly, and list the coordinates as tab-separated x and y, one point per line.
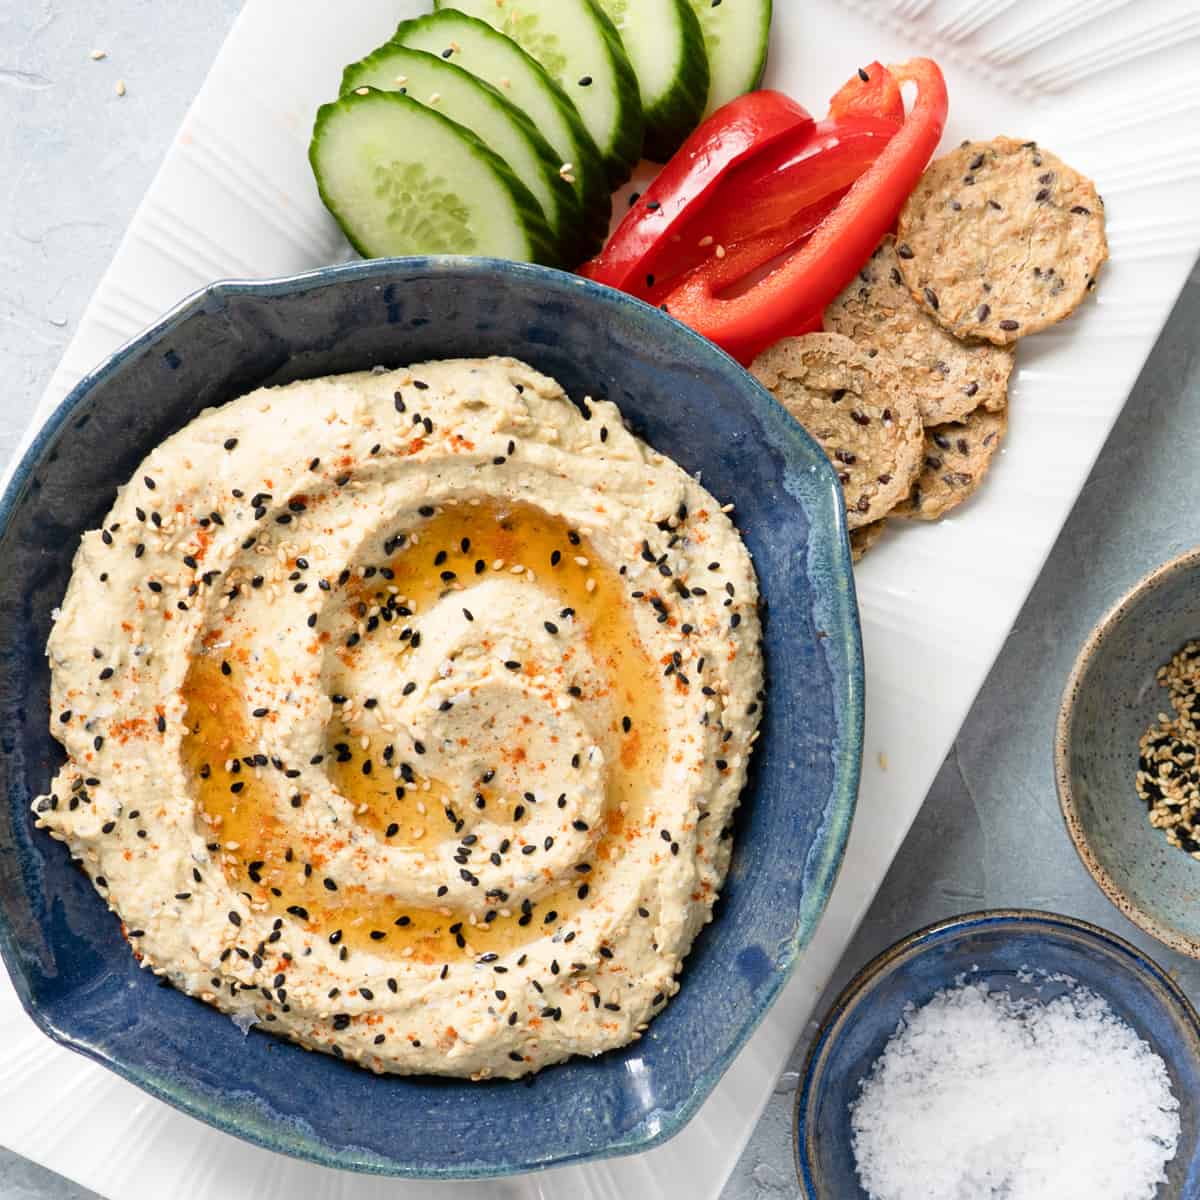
773	190
873	92
772	187
724	265
752	319
734	132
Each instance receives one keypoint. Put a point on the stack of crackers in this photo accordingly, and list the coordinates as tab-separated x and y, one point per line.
907	389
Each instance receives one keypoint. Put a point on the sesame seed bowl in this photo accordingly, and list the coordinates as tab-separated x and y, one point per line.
71	966
1110	701
1028	956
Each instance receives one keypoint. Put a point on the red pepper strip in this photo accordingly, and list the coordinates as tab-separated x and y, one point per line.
747	323
772	191
743	258
871	92
769	189
735	131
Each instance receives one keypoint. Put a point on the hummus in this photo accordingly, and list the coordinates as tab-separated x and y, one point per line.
406	713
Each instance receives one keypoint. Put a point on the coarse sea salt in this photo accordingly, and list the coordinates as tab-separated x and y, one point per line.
982	1096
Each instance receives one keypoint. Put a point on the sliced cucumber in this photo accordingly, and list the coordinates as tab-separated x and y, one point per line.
736	33
402	179
478	48
666	47
582	52
498	123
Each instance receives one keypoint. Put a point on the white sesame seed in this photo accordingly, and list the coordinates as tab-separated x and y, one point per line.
97	55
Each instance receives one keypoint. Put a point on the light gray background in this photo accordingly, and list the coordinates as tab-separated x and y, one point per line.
76	160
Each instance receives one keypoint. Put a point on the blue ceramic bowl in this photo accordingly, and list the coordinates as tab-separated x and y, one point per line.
1110	700
988	947
72	969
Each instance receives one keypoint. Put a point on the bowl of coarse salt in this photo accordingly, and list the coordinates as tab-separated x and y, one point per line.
1009	1053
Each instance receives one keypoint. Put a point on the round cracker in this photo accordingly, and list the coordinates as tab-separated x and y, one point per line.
856	409
864	537
1001	239
957	457
947	376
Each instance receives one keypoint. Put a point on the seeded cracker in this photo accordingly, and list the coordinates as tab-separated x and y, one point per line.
864	537
957	457
1001	239
948	377
855	407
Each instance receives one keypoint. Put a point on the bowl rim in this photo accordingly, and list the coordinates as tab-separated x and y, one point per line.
828	1030
1063	745
823	866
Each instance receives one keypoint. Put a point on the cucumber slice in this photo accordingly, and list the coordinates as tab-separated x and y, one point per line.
582	52
666	47
402	179
499	124
735	34
478	48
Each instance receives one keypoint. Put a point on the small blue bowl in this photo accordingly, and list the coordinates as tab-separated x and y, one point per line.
987	947
71	968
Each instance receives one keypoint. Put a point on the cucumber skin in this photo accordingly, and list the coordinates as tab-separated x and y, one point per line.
540	239
567	229
622	156
626	151
756	67
679	112
595	200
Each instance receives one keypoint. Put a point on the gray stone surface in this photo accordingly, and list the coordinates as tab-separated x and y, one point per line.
78	158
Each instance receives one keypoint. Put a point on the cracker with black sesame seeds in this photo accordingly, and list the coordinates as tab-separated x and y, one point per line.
949	377
1001	239
856	409
957	457
864	537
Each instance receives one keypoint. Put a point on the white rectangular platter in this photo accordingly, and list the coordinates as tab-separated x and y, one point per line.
1112	87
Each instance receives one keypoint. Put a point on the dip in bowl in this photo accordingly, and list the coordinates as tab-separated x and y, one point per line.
66	953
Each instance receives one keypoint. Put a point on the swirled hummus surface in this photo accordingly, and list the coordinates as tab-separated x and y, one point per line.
406	713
